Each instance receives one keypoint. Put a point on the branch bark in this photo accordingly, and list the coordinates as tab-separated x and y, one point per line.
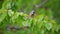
41	4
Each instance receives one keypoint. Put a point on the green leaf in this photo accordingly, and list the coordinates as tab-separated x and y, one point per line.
48	25
40	17
3	14
14	17
42	31
6	4
10	13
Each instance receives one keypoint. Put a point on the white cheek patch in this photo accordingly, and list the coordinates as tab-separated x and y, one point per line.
32	12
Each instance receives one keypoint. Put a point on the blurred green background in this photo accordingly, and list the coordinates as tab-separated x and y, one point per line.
29	16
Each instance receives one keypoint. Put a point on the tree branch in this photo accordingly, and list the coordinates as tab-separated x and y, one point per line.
41	4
